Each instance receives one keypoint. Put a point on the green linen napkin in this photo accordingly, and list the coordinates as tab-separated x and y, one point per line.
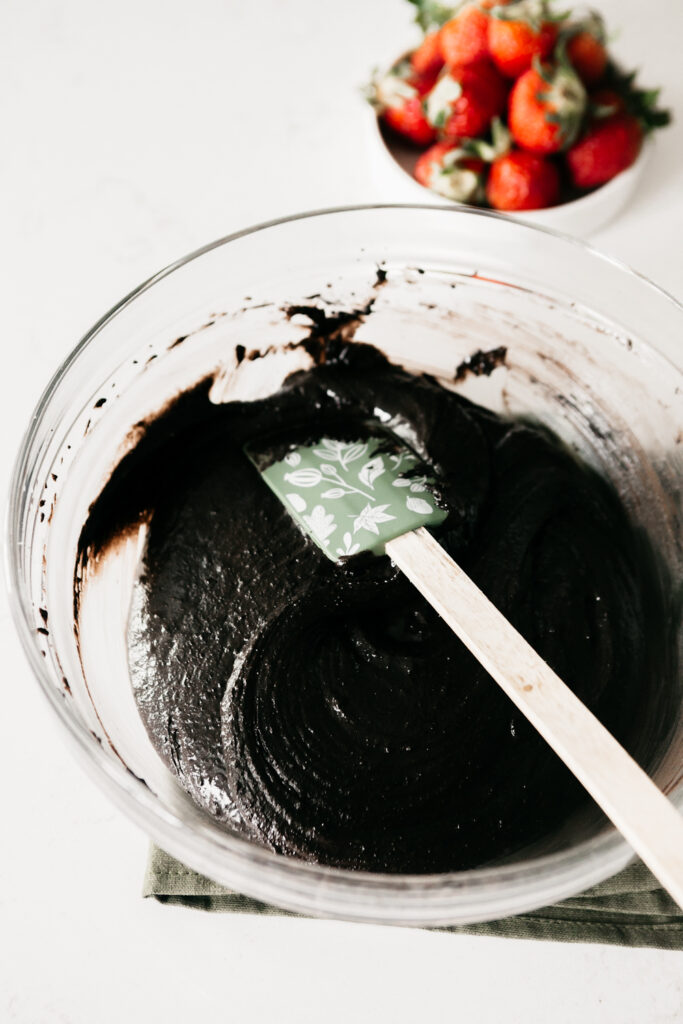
627	910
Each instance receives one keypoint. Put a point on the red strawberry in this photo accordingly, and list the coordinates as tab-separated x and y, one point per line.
423	83
431	161
605	102
446	169
465	38
427	59
546	109
520	32
398	99
588	57
408	119
607	148
465	99
522	181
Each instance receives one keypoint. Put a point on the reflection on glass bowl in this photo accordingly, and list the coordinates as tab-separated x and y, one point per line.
593	350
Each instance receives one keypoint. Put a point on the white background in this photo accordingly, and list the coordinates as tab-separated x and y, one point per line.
133	132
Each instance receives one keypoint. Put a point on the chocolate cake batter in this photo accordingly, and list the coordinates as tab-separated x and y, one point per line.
326	711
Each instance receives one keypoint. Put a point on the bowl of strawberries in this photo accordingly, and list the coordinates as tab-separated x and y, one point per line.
512	105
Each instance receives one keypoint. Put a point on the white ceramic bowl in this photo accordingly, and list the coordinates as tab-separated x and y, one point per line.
391	166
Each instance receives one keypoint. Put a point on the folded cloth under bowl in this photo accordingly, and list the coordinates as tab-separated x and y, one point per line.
629	909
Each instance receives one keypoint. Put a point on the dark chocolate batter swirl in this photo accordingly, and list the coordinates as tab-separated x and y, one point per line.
327	711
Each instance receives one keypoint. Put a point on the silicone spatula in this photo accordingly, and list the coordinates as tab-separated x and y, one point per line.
374	495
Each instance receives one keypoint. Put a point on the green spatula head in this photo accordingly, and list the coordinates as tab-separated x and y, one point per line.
351	496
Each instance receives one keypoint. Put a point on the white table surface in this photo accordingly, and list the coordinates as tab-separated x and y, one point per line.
133	132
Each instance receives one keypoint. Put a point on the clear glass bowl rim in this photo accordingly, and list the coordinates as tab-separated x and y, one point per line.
290	883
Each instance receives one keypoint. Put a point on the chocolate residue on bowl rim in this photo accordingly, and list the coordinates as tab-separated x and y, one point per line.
481	363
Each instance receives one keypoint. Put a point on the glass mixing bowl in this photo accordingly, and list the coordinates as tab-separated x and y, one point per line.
593	350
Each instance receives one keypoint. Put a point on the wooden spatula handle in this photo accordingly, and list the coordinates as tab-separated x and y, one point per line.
641	812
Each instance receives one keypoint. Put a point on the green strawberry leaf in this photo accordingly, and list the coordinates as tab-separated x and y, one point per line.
430	14
533	13
640	103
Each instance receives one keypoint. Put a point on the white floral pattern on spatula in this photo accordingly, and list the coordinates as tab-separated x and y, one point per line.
349	547
419	505
370	517
296	501
339	451
403	460
321	524
304	477
329	474
371	471
417	484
